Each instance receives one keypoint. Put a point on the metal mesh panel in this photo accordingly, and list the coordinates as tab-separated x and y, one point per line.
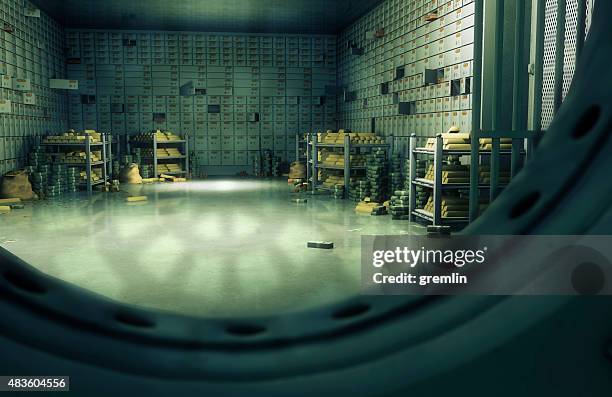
589	9
548	76
569	55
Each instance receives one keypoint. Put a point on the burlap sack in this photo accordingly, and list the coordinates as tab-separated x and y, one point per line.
131	175
297	171
16	185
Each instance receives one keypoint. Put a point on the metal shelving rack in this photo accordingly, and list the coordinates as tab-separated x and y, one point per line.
437	187
155	160
313	164
105	147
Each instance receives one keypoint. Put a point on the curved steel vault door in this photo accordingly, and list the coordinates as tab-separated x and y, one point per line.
388	346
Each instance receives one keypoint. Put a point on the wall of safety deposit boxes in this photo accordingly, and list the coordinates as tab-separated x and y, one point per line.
31	53
414	73
234	94
250	92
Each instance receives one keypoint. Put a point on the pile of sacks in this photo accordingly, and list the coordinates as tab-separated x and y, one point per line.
131	175
297	172
16	184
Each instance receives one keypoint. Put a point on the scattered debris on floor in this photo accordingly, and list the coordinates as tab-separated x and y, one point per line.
170	178
325	245
379	210
372	208
136	199
433	231
299	200
115	187
300	186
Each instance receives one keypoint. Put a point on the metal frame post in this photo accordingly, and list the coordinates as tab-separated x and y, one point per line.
308	170
412	176
88	163
186	153
539	65
347	164
437	185
155	156
315	161
109	159
538	72
496	99
517	86
104	159
476	110
494	169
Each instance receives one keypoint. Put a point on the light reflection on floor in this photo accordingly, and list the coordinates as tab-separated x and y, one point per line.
209	248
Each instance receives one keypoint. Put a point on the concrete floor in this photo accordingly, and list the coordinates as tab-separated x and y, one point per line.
218	248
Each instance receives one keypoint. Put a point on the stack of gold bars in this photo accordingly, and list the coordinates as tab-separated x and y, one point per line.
331	180
79	157
96	175
71	136
452	206
337	138
460	174
451	141
455	206
451	174
484	175
169	168
161	152
335	159
160	136
461	141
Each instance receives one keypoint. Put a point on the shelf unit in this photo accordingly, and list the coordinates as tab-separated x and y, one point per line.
182	144
437	187
105	146
313	165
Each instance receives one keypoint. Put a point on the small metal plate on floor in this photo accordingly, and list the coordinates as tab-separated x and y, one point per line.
325	245
299	200
434	231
